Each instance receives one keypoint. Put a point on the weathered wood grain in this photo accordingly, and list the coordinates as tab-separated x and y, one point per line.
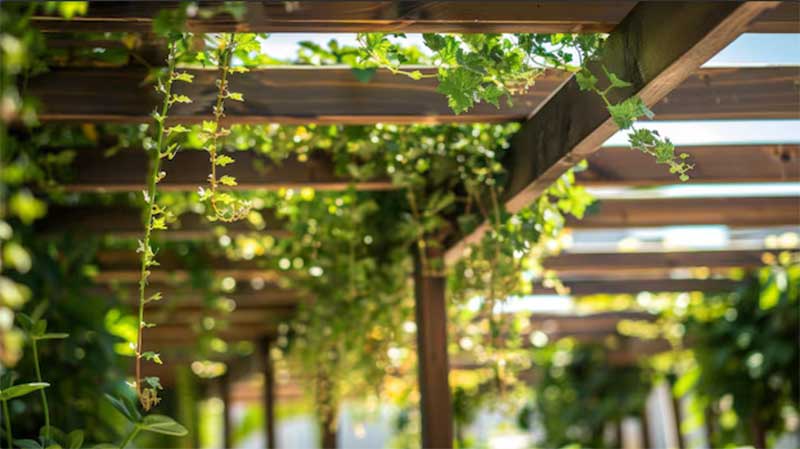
621	166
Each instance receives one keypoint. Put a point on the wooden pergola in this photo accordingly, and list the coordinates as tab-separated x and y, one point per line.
659	47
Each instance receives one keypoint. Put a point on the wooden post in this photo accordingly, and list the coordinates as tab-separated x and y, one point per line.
645	429
269	395
225	388
327	410
434	387
329	431
676	410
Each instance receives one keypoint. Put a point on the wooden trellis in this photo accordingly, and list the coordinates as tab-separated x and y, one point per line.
659	47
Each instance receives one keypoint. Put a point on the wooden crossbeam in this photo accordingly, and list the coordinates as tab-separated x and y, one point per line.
656	48
578	264
91	171
272	16
410	16
118	266
125	222
734	93
620	166
632	286
185	297
756	212
287	95
613	166
334	95
656	212
186	333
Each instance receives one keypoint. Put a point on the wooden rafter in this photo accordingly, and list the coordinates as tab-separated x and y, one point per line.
91	171
334	95
580	264
362	16
453	16
756	212
656	48
633	286
734	212
287	95
117	266
620	166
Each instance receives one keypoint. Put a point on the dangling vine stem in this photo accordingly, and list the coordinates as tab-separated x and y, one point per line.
235	209
155	216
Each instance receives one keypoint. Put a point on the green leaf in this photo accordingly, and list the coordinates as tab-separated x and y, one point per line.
25	322
53	336
614	80
770	296
21	390
183	76
209	126
163	425
686	382
153	382
236	96
179	98
157	296
28	444
159	223
223	160
459	86
586	80
177	129
364	75
125	406
75	439
153	357
228	180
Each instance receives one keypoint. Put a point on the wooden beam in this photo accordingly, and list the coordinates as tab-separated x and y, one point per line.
407	16
656	47
505	16
286	95
434	387
126	171
783	19
633	286
734	93
186	297
657	212
183	334
120	266
621	166
125	222
333	95
590	263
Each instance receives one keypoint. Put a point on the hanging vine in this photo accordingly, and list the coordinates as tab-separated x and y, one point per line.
160	148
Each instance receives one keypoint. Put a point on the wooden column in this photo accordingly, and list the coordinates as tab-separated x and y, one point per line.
329	431
434	388
269	395
225	390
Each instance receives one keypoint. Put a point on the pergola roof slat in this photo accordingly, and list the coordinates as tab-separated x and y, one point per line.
411	16
620	166
754	212
656	212
92	171
334	95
